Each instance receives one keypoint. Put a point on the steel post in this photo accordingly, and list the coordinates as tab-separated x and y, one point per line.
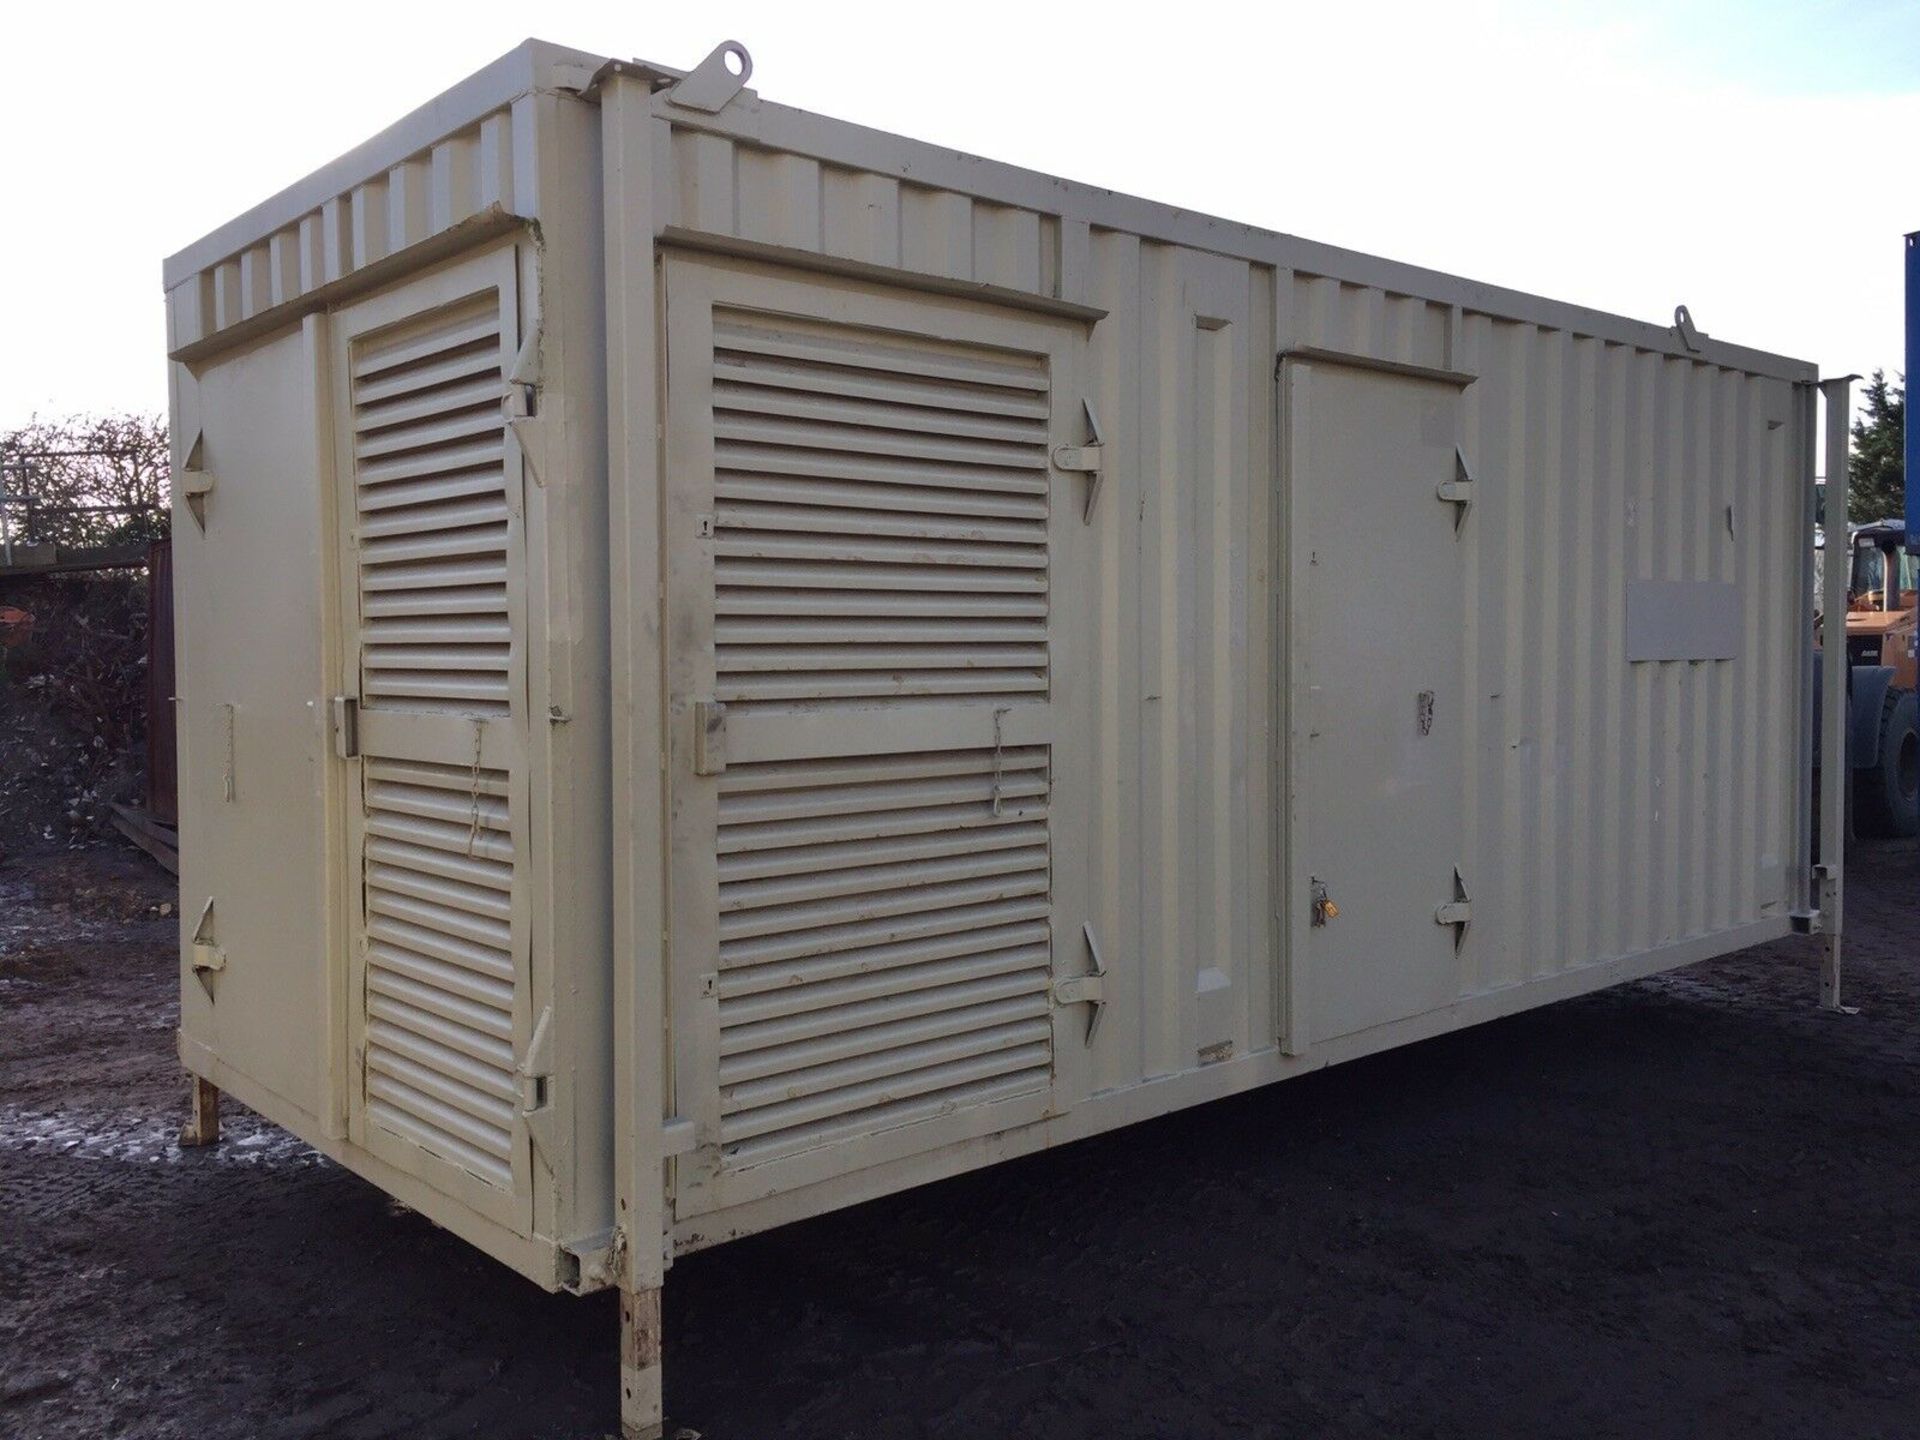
1835	778
1912	452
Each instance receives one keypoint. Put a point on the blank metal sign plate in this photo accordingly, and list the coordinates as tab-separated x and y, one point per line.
1682	620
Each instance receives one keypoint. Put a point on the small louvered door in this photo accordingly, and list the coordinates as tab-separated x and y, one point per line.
433	566
864	542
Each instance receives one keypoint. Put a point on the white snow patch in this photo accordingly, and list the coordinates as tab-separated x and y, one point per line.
141	1137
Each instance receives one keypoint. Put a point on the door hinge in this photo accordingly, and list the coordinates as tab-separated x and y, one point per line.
1088	459
1457	912
709	737
207	956
346	726
523	403
535	1075
1458	491
1089	989
527	419
196	481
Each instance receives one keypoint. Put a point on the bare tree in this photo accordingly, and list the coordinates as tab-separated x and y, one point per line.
86	481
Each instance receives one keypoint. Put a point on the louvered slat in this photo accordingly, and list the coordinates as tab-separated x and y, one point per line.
884	953
875	497
433	513
440	973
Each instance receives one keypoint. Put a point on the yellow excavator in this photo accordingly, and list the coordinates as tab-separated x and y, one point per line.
1883	653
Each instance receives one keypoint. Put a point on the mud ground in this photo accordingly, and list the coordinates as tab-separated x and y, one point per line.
1689	1206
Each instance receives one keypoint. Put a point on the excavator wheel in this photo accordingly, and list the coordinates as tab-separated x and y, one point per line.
1887	797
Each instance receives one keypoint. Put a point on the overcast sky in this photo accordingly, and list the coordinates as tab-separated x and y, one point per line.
1752	160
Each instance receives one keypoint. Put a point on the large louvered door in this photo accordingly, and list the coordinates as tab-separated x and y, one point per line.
865	542
437	832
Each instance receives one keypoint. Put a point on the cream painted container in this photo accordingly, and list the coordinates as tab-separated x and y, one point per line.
731	663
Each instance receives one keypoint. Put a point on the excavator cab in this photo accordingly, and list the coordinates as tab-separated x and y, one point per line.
1883	648
1881	601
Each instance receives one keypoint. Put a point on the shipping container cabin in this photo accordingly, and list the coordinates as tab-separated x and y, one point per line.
730	663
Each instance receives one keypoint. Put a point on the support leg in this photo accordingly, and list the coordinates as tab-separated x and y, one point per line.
1836	778
1830	974
642	1416
1830	932
1828	896
203	1119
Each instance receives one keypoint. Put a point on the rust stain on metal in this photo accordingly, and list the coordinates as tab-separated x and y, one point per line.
639	1329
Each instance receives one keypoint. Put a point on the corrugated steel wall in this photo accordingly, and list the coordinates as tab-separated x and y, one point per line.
712	186
1619	806
487	167
1180	629
1613	807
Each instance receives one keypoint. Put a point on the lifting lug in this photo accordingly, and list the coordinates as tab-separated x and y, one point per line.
715	80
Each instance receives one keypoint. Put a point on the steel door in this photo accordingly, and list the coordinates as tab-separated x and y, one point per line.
864	532
1379	896
432	716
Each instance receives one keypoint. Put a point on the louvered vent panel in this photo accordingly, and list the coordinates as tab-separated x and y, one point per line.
884	952
429	467
880	516
440	974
